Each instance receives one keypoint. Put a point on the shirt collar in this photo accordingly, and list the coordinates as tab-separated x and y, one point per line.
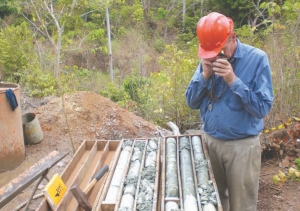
239	53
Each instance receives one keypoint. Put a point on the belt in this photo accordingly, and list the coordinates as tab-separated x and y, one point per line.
252	136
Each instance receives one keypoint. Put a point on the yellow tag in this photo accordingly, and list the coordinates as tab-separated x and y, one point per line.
54	191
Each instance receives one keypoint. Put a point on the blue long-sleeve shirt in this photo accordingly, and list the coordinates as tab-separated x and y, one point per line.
240	111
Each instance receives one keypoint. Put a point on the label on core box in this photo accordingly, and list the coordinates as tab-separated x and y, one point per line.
54	191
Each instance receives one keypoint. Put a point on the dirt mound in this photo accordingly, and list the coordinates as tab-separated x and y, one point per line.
91	117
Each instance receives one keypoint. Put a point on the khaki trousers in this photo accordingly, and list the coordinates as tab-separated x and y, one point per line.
236	165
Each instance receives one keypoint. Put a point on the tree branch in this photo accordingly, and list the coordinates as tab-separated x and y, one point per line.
33	24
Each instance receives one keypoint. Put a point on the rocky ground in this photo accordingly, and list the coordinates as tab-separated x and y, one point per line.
93	117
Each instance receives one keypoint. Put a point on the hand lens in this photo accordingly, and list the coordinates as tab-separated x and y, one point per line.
221	55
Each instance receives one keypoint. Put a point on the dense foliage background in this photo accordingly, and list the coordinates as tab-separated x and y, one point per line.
140	54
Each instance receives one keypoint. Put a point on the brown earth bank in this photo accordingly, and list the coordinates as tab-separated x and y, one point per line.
93	117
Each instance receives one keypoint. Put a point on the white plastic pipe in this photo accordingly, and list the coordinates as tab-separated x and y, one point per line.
171	168
127	201
132	176
209	207
187	178
200	161
113	191
172	206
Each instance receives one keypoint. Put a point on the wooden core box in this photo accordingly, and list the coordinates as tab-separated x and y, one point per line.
144	190
153	193
86	162
179	168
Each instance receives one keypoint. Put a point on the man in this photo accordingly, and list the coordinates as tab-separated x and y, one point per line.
232	87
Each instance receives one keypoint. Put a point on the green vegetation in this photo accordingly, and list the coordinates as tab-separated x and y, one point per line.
293	174
297	161
61	47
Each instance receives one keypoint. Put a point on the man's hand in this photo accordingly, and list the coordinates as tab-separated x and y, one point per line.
224	69
207	66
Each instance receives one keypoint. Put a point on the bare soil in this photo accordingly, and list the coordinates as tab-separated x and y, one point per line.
282	197
93	117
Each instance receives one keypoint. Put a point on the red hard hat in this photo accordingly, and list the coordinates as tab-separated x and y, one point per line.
213	31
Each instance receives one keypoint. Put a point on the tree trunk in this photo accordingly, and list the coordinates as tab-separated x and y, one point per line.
183	14
111	72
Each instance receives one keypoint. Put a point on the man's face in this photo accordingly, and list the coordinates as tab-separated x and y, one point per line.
228	49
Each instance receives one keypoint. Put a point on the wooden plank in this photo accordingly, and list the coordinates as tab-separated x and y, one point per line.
107	206
17	185
112	149
100	205
44	206
156	185
97	163
66	175
81	197
174	199
163	176
87	161
95	155
104	151
179	175
105	159
103	205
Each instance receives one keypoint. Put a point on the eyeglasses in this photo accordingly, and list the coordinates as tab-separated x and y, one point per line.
221	55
